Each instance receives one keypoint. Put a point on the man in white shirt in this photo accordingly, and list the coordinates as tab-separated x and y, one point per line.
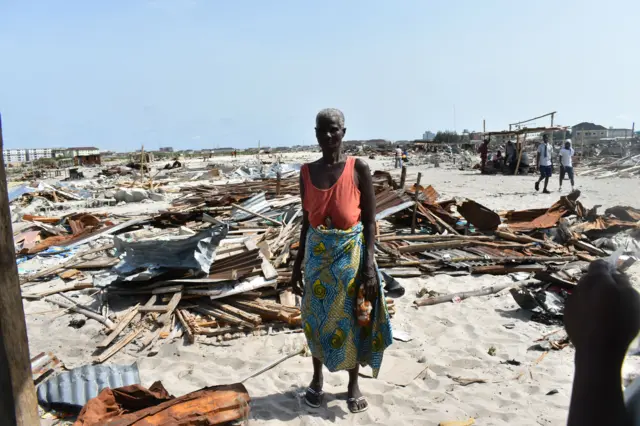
566	165
545	150
398	157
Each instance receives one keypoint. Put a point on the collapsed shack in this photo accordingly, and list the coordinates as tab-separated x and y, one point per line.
216	265
521	159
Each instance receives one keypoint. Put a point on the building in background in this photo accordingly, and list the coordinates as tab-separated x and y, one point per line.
166	149
428	136
12	156
589	133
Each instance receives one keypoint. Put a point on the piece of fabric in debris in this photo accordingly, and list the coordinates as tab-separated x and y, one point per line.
333	261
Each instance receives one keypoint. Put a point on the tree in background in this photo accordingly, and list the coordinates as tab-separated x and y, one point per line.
447	137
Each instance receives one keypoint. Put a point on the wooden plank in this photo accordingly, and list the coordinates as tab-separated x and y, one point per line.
70	306
124	322
257	214
118	346
268	270
18	403
173	304
155	308
72	286
218	314
185	325
168	289
251	318
434	246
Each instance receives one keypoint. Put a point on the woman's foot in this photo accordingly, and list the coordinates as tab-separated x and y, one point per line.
314	395
356	402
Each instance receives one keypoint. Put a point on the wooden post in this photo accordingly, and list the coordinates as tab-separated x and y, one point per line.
521	151
142	163
18	403
403	177
415	206
278	177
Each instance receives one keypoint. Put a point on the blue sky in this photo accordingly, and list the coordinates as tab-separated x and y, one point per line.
196	74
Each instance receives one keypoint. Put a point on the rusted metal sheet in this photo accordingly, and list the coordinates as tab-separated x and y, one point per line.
479	216
138	406
566	205
429	194
624	213
389	202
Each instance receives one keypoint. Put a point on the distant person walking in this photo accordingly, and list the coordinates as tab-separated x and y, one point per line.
544	163
398	157
566	165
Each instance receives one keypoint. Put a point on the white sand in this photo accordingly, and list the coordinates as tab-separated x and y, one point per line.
448	339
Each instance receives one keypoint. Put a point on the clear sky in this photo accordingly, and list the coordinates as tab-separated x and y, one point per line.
204	73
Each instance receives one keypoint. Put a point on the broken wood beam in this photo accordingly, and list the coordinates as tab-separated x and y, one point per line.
89	314
118	346
122	324
428	301
415	206
246	316
506	269
173	304
435	238
218	314
185	325
257	214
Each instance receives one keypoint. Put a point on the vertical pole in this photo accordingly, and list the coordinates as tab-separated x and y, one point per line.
403	177
484	127
278	184
520	153
142	163
18	403
415	206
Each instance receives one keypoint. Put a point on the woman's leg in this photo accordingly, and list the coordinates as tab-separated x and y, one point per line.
317	381
355	401
314	394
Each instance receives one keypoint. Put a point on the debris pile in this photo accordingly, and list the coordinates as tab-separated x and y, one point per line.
607	167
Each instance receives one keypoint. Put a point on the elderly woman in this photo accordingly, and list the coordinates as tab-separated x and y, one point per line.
337	244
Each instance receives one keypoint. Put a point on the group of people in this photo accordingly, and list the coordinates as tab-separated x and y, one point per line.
344	313
545	164
503	163
544	161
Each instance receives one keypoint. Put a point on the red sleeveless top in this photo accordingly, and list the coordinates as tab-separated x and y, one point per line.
340	203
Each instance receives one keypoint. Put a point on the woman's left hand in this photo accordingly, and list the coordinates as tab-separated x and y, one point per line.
370	281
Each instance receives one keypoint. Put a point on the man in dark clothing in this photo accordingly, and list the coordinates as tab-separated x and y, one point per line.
484	153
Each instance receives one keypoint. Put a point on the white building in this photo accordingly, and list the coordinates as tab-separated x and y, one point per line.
593	136
428	136
25	155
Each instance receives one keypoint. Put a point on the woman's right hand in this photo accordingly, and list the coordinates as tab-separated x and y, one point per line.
296	279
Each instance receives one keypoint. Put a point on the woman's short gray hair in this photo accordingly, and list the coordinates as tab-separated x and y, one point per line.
331	114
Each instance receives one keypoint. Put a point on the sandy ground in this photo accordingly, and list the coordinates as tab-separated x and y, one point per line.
449	340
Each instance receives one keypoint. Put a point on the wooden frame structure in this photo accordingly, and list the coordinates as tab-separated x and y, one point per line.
520	145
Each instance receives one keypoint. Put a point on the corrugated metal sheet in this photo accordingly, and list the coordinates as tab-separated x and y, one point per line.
258	203
70	391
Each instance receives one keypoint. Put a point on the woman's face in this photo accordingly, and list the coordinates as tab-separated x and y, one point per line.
329	133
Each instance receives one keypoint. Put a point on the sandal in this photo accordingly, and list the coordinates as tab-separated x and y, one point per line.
312	398
355	405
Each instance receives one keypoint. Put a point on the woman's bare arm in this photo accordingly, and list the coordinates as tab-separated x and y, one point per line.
296	274
368	217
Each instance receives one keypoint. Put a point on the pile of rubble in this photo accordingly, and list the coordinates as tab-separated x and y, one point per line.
216	264
606	167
